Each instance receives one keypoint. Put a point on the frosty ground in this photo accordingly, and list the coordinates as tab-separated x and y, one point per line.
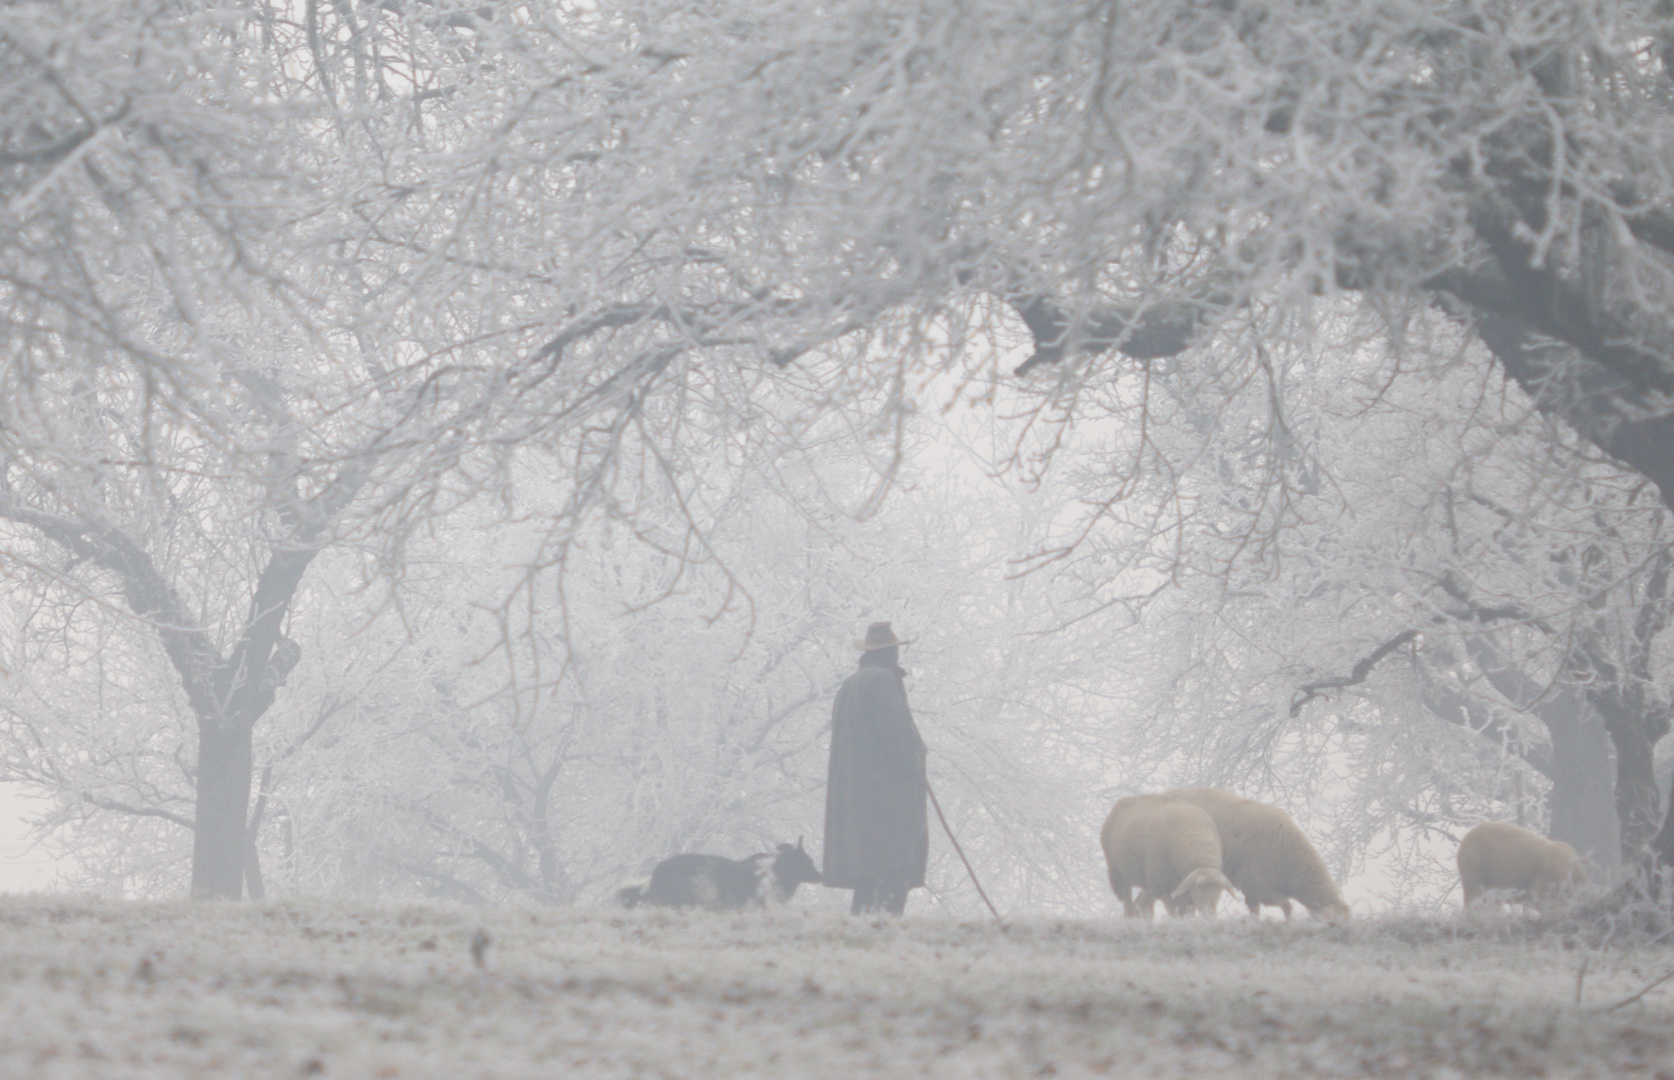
105	989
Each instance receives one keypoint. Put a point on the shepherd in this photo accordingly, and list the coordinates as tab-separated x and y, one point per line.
877	832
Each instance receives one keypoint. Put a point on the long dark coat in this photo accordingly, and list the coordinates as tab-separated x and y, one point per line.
875	820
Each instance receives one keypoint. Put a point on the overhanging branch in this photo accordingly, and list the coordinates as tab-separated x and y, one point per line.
1309	691
139	811
149	596
1148	332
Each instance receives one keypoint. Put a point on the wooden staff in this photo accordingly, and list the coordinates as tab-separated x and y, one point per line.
955	840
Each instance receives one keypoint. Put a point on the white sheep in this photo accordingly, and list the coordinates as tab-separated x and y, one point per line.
1266	856
1166	848
1500	855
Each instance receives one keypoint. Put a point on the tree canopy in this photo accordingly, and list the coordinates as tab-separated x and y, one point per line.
283	277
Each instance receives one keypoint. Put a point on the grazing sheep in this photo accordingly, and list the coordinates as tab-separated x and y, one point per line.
720	884
1168	850
1500	855
1266	856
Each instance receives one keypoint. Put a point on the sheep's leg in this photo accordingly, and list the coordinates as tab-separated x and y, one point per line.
1284	906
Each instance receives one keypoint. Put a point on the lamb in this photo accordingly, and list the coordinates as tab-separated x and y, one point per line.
721	884
1169	850
1500	855
1266	856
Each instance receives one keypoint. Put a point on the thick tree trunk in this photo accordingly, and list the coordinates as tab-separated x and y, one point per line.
221	841
1582	801
1638	802
1662	848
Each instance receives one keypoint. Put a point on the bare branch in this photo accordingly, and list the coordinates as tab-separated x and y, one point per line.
1358	675
139	811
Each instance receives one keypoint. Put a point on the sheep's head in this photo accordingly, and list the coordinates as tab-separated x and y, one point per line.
1564	869
1200	892
1577	874
1336	911
1565	875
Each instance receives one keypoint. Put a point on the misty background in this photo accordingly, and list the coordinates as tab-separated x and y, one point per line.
448	450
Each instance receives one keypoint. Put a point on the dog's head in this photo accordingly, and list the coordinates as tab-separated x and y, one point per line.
793	866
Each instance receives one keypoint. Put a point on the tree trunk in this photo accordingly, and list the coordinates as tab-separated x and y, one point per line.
1662	848
254	887
1582	801
1638	802
221	841
253	884
1644	444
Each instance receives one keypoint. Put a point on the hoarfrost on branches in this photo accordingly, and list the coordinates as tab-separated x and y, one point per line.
1322	317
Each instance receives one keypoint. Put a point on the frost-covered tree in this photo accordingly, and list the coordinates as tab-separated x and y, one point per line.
200	378
644	700
387	248
1420	570
169	444
1128	181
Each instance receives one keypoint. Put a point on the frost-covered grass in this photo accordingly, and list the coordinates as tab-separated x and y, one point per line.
98	989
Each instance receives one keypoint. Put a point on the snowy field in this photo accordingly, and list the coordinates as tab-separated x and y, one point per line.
97	989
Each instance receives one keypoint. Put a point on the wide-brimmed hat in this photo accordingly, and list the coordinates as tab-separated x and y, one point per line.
879	636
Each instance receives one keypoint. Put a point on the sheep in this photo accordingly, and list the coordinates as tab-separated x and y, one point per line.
1500	855
1169	850
721	884
1266	856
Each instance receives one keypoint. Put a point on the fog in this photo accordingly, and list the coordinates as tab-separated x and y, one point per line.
24	865
463	463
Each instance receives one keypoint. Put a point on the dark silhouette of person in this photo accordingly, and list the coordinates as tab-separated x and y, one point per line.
877	833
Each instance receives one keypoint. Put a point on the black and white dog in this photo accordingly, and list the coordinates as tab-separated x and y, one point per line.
710	881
